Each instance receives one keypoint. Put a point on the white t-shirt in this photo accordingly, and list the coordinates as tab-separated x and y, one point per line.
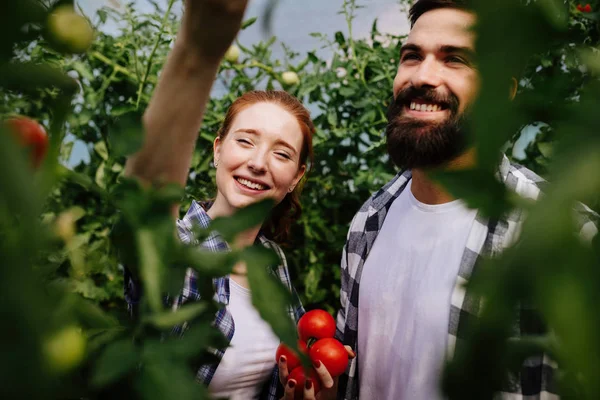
405	292
249	362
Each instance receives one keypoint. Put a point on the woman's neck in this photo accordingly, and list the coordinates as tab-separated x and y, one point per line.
242	239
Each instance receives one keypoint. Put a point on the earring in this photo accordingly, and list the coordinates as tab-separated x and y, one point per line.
216	163
291	189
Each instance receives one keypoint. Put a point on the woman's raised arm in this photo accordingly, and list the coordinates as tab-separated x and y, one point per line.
174	116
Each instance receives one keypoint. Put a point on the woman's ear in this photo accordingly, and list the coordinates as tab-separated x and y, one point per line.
216	150
299	175
513	88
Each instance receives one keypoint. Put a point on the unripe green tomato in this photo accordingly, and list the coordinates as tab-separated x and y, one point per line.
65	226
69	30
65	349
232	54
290	78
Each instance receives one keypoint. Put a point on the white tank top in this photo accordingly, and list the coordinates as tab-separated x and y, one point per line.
249	362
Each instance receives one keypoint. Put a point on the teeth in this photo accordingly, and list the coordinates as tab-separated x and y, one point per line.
251	185
425	107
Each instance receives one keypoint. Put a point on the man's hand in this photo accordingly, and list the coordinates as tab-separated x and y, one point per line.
328	384
209	26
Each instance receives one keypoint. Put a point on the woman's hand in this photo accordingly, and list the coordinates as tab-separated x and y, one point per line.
328	384
209	26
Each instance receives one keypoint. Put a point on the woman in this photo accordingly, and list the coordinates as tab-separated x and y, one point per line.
261	151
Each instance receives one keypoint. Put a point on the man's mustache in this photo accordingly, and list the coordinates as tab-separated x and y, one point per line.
427	95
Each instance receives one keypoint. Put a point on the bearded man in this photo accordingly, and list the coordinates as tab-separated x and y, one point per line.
412	247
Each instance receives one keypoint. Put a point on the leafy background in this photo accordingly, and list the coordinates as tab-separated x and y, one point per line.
80	279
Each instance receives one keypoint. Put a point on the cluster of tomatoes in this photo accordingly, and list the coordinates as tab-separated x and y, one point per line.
316	329
584	9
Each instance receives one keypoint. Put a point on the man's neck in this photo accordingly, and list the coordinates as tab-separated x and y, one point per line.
428	191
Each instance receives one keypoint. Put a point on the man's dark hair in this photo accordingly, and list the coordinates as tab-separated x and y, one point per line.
422	6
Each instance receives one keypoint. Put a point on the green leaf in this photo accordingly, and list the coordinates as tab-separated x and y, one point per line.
169	319
126	137
29	77
269	296
347	92
479	189
244	219
208	263
545	148
101	150
169	380
118	359
249	22
332	118
100	174
340	39
151	268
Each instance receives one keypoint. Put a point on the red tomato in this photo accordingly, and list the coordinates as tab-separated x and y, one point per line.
317	324
32	135
332	354
292	358
299	376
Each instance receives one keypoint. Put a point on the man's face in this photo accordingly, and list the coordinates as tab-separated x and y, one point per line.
435	85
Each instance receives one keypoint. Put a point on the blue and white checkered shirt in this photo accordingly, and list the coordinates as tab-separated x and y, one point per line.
488	238
197	216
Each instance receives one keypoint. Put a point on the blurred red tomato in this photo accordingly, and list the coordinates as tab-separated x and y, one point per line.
32	135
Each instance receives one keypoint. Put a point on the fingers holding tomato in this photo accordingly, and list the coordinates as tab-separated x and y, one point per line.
329	357
291	357
331	353
306	387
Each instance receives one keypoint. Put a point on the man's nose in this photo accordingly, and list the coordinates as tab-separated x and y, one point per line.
428	74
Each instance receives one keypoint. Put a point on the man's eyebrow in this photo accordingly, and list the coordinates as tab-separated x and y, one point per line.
466	51
410	47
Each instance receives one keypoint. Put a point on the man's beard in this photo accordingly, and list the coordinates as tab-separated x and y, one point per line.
414	143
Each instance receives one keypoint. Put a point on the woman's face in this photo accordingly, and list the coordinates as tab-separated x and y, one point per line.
258	158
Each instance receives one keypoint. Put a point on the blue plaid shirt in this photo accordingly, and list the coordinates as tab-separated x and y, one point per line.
196	215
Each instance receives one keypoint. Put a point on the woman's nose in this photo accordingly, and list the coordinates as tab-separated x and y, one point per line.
258	162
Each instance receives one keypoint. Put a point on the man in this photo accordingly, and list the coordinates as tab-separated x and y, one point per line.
412	246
